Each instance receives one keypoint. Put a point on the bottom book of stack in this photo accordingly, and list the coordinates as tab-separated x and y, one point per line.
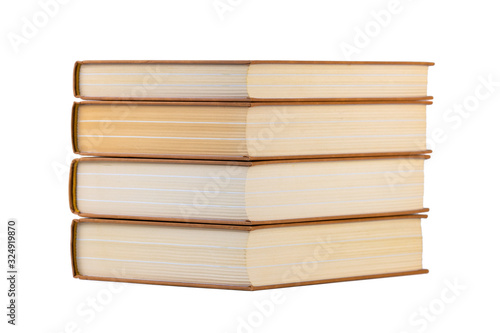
246	257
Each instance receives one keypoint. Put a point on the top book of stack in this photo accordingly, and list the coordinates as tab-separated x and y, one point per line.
266	81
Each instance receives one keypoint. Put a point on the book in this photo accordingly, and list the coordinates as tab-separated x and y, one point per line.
249	131
249	80
244	257
247	193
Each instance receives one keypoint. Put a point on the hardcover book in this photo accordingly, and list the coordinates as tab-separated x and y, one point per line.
243	257
247	192
249	80
249	131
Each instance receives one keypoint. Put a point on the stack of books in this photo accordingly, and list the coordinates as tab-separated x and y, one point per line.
248	174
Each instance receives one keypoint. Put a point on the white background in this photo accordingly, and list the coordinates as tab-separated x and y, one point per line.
460	236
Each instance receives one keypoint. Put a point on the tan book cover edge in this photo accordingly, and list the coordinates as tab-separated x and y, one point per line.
248	62
255	288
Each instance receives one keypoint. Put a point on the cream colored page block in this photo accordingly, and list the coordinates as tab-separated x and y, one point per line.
162	130
335	129
261	192
262	257
333	241
340	250
271	130
163	80
167	273
162	253
336	81
335	232
204	237
309	253
305	271
165	190
334	188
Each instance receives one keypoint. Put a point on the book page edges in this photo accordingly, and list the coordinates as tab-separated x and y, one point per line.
230	287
